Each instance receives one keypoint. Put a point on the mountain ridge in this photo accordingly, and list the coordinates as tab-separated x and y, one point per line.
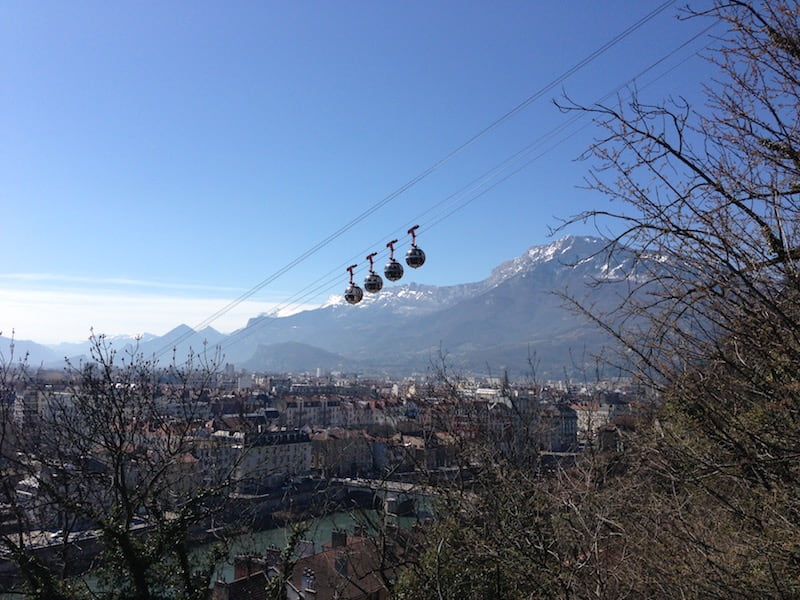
492	324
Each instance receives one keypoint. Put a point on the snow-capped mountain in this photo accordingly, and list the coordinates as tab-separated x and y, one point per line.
496	323
77	349
564	258
563	254
403	299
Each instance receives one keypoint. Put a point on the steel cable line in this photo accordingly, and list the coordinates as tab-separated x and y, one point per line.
325	282
480	185
456	201
405	187
563	126
490	179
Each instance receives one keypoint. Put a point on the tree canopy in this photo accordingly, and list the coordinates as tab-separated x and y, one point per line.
702	498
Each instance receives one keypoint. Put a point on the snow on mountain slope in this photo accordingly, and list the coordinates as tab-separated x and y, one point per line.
423	299
564	253
498	320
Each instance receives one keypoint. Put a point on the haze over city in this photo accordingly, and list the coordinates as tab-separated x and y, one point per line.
166	163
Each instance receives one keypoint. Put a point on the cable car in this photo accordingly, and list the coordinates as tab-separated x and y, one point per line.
353	294
372	282
393	269
415	257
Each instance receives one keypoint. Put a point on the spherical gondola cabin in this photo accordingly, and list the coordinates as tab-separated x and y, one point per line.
372	282
353	294
415	257
393	269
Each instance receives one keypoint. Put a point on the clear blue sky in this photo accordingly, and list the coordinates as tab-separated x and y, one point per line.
160	159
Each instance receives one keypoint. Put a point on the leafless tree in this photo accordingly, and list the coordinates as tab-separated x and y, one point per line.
701	501
709	208
107	472
708	200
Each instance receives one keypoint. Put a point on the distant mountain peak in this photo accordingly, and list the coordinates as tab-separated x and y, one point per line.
209	331
421	298
387	296
182	329
565	251
498	321
124	338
